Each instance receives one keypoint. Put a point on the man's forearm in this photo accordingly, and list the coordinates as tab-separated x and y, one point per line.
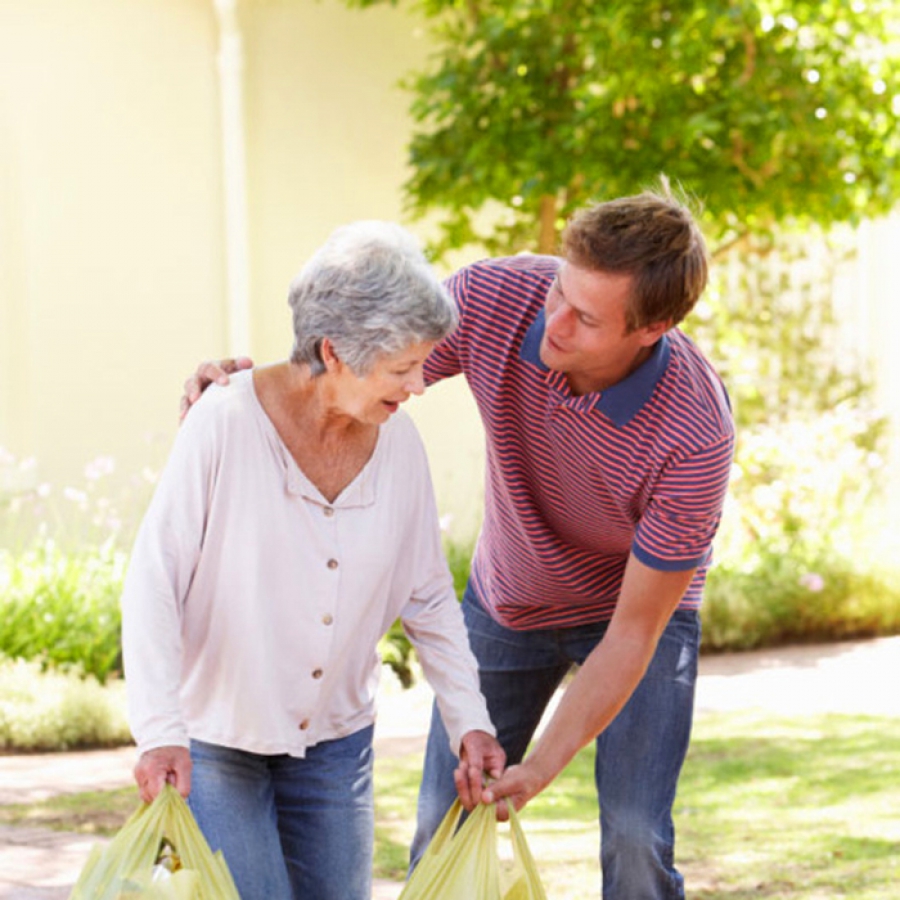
592	700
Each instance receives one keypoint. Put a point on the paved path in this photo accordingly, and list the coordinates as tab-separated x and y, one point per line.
857	677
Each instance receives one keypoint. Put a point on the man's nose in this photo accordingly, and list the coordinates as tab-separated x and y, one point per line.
558	318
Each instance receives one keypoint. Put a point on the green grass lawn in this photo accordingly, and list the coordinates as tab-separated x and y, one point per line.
803	808
772	808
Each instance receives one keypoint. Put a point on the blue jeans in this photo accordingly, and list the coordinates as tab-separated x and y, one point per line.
289	828
639	756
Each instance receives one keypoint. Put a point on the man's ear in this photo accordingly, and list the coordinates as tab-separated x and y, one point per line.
654	331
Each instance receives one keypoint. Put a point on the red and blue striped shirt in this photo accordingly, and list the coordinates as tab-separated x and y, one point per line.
576	483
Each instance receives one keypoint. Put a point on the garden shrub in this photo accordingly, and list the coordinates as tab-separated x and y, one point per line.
43	710
62	608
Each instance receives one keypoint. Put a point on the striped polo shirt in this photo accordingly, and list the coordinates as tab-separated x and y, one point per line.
575	484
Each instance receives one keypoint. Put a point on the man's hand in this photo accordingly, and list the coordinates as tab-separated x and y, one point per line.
210	372
479	755
603	684
164	764
517	785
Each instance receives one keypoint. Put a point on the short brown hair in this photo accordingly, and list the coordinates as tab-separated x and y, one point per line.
654	238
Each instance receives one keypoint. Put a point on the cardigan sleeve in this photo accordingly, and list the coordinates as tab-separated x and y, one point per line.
434	623
160	570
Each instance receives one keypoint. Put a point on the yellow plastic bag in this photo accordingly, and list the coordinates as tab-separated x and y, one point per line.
465	864
159	854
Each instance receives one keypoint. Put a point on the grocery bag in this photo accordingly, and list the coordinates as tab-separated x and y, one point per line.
464	863
159	854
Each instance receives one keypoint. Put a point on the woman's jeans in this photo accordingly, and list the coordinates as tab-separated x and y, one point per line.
289	828
639	756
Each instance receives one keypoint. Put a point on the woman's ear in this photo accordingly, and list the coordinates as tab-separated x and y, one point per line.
328	355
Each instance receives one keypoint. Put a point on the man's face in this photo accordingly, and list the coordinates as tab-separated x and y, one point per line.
585	333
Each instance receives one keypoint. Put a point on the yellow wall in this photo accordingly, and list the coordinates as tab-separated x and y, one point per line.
110	248
113	263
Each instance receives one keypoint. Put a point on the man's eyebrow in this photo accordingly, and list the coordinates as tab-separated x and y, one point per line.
581	313
557	282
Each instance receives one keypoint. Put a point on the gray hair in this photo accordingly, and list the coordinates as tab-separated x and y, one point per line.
371	292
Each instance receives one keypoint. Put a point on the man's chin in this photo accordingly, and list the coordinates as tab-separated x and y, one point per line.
551	358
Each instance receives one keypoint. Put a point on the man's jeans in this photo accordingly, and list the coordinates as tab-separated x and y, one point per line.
639	756
290	829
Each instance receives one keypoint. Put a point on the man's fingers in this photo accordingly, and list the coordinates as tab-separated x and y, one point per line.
210	372
237	364
194	387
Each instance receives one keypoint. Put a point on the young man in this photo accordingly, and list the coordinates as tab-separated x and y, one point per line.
609	445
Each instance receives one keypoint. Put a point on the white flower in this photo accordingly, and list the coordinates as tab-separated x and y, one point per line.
97	468
74	495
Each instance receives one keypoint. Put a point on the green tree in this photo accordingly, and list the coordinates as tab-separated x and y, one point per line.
766	110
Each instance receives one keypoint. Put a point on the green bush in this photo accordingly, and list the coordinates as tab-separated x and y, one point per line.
62	608
50	710
797	557
784	601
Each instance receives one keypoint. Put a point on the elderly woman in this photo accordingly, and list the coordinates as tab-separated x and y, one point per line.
294	522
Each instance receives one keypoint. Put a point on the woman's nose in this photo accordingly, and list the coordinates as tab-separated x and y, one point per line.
416	382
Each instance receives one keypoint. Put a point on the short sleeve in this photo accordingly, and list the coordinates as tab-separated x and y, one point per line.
677	529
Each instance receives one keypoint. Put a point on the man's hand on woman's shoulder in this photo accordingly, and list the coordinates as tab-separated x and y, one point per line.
209	372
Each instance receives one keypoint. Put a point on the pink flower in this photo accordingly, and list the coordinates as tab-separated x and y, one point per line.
812	581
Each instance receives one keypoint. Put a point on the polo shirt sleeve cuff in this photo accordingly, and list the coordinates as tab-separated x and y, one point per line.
670	565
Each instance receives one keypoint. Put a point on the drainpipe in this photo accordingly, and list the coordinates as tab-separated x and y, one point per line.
237	261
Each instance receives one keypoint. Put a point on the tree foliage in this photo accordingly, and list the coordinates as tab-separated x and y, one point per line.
766	110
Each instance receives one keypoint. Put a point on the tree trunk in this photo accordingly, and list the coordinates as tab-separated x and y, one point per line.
547	240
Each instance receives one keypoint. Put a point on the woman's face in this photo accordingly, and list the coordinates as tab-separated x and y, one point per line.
374	397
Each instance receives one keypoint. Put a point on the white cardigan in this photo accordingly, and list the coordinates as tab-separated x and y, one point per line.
252	607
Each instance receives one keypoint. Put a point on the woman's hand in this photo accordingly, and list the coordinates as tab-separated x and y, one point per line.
480	754
210	372
164	764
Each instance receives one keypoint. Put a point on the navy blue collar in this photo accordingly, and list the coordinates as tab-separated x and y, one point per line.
621	402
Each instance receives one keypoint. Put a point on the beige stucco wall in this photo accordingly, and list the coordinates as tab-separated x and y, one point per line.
113	262
110	231
327	127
